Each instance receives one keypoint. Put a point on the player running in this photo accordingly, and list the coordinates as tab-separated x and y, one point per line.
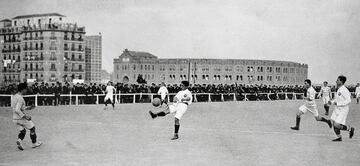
163	92
310	105
357	93
325	96
110	91
21	120
181	101
341	102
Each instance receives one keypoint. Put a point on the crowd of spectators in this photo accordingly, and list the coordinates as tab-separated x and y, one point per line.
91	89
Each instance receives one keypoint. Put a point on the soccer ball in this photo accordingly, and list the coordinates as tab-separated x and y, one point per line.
156	102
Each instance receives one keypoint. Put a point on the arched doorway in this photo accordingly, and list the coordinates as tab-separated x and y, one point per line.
125	79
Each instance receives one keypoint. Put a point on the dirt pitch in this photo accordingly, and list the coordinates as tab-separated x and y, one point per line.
229	133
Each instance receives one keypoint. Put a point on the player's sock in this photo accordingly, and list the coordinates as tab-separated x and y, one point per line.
177	127
113	105
326	109
344	127
298	121
22	134
33	135
326	121
162	113
337	131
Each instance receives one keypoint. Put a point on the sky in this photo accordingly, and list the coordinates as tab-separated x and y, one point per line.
325	34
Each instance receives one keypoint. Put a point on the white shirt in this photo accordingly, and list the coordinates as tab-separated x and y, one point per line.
357	90
310	93
182	94
342	98
325	91
110	90
18	106
163	92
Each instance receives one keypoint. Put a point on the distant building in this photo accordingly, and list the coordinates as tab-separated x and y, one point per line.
41	47
131	64
105	76
93	57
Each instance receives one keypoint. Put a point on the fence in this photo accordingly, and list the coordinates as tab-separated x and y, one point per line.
81	99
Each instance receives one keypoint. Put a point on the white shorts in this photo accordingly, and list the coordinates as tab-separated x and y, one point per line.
339	116
107	97
179	109
358	95
311	109
21	124
326	99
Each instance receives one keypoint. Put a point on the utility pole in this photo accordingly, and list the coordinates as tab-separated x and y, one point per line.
189	71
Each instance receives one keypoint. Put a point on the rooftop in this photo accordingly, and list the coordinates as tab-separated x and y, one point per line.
5	20
139	54
38	15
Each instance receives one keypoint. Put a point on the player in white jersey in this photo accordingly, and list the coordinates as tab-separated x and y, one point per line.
325	93
163	92
21	120
181	101
339	115
109	97
309	105
357	93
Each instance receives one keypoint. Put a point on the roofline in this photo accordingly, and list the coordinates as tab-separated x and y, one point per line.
38	15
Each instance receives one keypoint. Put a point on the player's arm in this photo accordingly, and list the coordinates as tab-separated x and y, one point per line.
320	93
19	108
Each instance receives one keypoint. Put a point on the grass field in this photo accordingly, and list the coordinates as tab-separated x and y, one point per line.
231	133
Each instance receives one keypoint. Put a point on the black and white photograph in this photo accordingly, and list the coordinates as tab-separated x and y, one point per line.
179	82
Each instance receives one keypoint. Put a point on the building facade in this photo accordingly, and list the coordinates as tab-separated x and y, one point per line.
41	47
131	64
93	55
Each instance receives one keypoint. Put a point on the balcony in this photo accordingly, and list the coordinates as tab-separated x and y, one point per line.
77	59
65	27
77	70
11	50
53	58
52	38
12	40
33	69
53	48
52	69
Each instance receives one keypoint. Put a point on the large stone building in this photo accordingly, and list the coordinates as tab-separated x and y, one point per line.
93	58
131	64
42	47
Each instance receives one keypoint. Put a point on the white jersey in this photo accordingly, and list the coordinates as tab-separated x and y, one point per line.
182	94
342	99
18	106
310	93
163	92
110	90
325	91
357	91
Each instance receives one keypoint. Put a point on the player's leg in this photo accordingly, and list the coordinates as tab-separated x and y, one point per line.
322	119
302	110
337	129
21	136
176	129
33	138
112	103
181	109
